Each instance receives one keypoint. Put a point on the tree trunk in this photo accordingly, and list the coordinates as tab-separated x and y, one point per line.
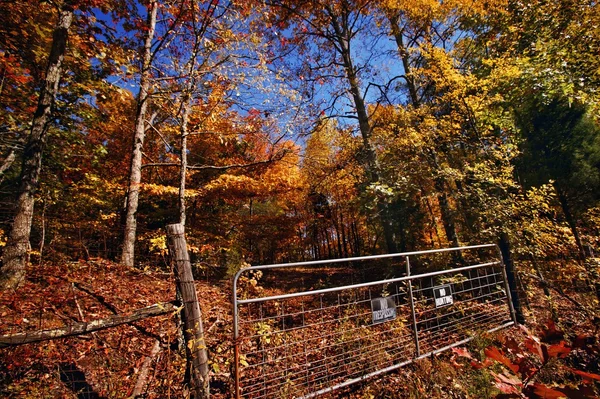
316	241
504	245
564	203
344	235
135	173
8	161
187	101
326	236
371	164
356	239
338	234
183	168
404	56
14	258
447	214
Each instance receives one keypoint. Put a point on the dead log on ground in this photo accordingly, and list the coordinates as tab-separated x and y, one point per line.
86	327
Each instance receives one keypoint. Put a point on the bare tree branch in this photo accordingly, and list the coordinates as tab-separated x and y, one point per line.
277	157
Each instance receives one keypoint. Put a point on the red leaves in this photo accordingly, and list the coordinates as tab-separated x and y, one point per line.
546	352
509	384
551	333
587	377
496	354
560	350
462	352
525	358
506	388
542	391
534	346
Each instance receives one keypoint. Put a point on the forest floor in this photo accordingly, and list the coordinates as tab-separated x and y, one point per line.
556	354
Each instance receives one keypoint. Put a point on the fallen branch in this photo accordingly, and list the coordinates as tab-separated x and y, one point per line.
143	377
112	308
86	327
96	296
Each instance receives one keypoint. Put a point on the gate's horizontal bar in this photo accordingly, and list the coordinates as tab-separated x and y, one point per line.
370	257
370	284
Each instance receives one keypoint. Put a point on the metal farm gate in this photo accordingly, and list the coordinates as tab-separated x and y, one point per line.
302	338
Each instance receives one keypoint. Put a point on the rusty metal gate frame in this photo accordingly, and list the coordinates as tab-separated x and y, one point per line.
407	279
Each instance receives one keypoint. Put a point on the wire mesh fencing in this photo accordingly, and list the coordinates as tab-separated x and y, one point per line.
115	343
309	341
89	342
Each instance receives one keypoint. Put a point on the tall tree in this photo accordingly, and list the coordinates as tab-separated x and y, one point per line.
332	204
135	172
336	26
420	30
561	144
200	19
14	258
544	57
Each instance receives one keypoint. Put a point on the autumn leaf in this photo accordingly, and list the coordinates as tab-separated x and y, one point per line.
551	333
580	392
508	379
479	365
462	352
559	350
494	353
587	377
534	346
506	388
512	345
542	391
582	340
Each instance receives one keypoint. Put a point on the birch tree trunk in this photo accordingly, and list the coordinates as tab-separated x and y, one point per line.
183	167
14	258
135	173
188	98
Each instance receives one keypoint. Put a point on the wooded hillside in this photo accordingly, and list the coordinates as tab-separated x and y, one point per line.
280	131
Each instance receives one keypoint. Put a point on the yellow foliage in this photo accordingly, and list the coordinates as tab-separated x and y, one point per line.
160	190
159	244
108	216
426	11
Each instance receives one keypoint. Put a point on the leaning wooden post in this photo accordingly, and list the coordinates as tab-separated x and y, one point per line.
197	356
509	267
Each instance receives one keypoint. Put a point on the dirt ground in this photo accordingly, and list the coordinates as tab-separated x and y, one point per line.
109	363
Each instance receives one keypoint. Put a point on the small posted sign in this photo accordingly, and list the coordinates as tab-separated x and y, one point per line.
384	309
443	295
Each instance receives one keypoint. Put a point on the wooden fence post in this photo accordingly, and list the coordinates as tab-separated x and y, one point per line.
197	356
504	245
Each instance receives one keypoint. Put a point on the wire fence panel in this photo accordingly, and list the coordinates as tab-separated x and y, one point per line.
306	340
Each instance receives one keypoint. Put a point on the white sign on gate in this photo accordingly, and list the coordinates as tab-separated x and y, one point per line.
443	295
384	309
